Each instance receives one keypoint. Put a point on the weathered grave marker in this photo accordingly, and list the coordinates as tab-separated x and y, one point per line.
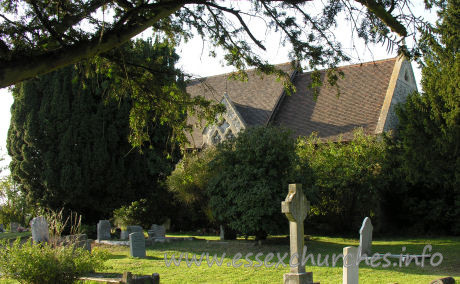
365	238
14	227
350	265
296	207
222	233
137	244
40	230
103	230
157	232
130	229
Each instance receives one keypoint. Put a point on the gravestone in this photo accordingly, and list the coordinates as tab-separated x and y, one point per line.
103	230
167	224
1	228
14	227
130	229
157	232
350	265
365	238
296	207
136	244
222	233
40	230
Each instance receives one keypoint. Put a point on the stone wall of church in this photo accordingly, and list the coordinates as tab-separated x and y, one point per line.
404	86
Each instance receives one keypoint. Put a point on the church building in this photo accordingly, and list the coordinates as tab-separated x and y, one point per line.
368	94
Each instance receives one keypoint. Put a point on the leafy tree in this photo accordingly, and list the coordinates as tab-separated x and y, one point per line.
251	175
429	132
37	37
14	206
342	180
69	129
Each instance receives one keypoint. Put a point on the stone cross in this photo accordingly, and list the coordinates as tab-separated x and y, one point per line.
40	230
365	238
296	207
137	244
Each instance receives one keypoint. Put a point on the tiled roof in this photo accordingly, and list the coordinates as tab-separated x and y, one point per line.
362	93
254	99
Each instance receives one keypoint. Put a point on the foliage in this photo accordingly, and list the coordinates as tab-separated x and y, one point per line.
69	129
429	132
15	207
60	223
38	37
137	213
188	183
342	180
251	175
43	263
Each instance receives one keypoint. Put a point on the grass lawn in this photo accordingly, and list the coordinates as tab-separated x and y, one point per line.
155	261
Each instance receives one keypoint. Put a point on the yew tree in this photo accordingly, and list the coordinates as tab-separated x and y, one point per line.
39	36
68	137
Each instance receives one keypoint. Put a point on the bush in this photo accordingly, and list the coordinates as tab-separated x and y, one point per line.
188	183
44	264
136	213
342	180
250	179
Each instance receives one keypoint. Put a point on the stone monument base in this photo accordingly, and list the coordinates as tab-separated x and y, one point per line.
301	278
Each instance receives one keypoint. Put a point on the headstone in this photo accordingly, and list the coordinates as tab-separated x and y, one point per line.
133	229
1	228
365	238
296	207
130	229
350	265
157	232
14	227
103	230
137	244
167	224
40	230
222	233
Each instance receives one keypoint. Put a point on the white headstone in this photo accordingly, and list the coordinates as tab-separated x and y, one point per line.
40	230
350	265
137	244
103	230
296	207
365	238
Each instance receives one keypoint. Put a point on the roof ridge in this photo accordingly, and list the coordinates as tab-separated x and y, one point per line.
356	64
229	73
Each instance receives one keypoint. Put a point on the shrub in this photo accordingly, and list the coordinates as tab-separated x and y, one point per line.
136	213
251	174
44	264
188	184
342	180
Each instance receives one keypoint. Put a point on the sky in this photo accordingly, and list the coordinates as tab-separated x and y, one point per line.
195	60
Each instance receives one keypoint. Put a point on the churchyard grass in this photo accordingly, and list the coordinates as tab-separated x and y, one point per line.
120	261
13	236
155	262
